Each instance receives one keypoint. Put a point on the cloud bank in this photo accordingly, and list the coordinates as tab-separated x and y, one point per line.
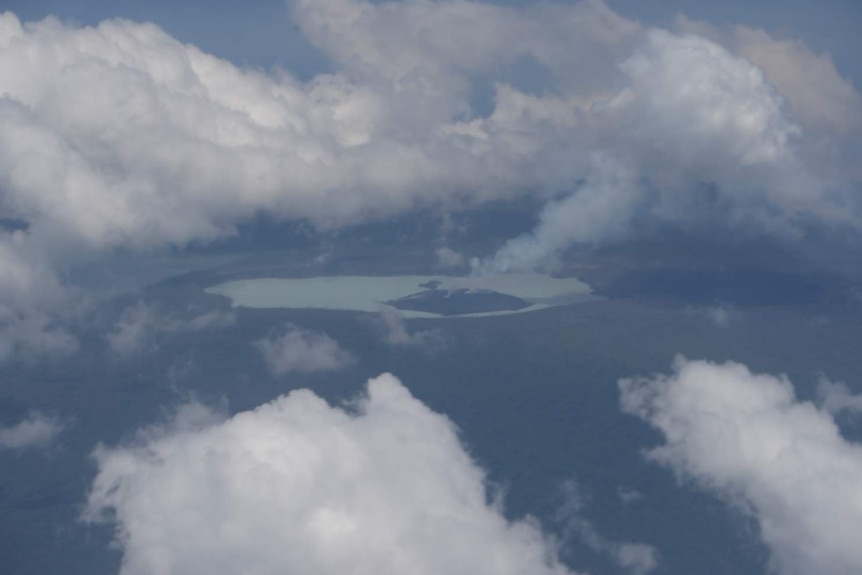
749	440
121	137
300	486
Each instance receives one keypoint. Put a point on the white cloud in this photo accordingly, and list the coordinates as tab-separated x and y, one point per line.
696	135
121	137
37	431
132	333
637	558
30	335
298	349
135	331
821	98
746	438
213	319
448	258
32	304
836	397
601	209
719	315
396	333
299	486
690	91
628	496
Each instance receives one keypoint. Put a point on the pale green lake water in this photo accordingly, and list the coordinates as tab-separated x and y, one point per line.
367	293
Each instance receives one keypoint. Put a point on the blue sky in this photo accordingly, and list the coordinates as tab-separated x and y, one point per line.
257	33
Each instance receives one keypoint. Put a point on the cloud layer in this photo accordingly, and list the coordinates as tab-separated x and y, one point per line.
121	137
297	485
748	439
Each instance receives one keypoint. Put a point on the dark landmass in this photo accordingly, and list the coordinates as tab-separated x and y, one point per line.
459	302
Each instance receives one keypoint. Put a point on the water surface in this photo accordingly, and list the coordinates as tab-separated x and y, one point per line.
371	293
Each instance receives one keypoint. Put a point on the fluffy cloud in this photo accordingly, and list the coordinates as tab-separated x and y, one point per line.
836	397
719	315
690	91
697	135
298	349
601	209
29	288
120	136
138	325
746	438
298	485
448	258
821	98
28	334
132	332
396	333
637	558
37	431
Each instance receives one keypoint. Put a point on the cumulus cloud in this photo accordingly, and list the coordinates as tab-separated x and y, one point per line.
28	334
120	136
690	91
822	99
637	558
448	258
628	496
748	439
29	292
696	134
396	333
836	397
719	315
299	486
298	349
132	331
136	330
37	431
708	140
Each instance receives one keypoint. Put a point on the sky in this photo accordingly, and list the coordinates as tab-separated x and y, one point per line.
144	128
